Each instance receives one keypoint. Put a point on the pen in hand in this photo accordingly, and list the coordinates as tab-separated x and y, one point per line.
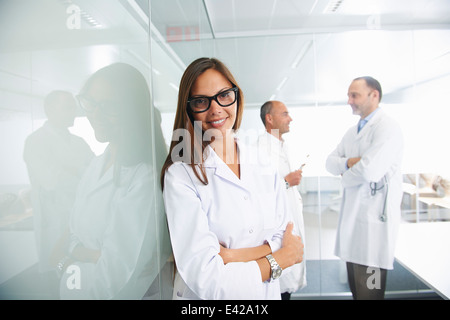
304	164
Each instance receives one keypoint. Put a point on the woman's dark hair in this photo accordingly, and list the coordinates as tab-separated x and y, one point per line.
131	94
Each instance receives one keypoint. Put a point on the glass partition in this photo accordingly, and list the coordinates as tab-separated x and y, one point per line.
82	146
306	55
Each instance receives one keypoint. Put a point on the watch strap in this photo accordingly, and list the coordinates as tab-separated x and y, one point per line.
274	266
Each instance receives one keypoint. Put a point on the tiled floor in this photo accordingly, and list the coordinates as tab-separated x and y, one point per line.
326	274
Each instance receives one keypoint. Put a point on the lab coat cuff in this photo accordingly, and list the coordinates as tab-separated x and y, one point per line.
274	245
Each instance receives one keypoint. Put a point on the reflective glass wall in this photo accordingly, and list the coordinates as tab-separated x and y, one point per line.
81	212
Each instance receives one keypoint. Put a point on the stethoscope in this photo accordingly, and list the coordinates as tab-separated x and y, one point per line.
373	191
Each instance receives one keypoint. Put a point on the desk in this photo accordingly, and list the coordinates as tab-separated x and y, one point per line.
436	201
437	207
424	249
422	192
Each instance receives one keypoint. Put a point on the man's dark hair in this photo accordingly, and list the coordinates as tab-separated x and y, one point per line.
265	109
372	83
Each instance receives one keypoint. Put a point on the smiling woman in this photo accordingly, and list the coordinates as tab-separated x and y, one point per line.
229	220
205	78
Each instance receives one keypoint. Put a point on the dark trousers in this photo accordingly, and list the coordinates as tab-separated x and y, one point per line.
366	283
286	296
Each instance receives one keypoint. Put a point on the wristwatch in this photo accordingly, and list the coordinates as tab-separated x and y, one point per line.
287	184
276	269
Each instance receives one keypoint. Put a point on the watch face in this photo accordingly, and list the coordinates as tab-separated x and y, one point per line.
276	273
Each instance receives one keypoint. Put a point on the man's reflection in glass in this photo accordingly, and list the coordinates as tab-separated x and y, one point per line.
55	160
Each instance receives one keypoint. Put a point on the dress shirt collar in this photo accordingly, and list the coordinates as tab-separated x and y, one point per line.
362	122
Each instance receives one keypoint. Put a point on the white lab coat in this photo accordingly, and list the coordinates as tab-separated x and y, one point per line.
56	160
126	223
274	152
237	213
362	237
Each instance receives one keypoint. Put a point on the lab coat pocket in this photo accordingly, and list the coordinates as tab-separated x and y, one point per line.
181	291
372	206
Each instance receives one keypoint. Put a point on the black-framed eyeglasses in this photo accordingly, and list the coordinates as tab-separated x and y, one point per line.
224	99
89	105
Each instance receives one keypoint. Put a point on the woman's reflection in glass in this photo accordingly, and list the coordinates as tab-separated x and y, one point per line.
118	239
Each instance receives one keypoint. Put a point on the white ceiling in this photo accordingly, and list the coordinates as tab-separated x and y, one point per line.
304	52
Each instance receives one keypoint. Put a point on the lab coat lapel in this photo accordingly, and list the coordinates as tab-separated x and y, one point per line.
221	169
367	128
376	118
360	134
246	159
97	181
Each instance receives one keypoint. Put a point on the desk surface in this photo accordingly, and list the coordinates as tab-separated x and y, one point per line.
427	195
424	249
441	202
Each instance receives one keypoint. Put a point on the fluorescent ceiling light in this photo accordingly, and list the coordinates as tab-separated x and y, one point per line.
139	11
282	83
173	86
301	54
89	19
313	7
332	6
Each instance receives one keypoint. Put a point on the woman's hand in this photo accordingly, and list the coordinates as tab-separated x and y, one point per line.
226	254
244	254
293	244
291	251
83	254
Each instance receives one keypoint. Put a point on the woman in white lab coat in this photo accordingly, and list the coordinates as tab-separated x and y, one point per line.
372	188
224	214
117	226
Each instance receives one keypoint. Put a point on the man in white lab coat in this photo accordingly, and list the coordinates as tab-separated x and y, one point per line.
369	160
55	160
273	150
